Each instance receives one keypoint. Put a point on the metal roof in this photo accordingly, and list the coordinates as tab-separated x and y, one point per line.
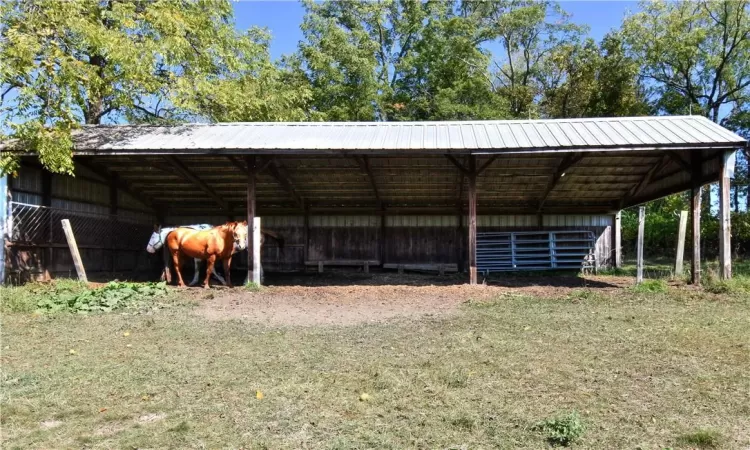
476	137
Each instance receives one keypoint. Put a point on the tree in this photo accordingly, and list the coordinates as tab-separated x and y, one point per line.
693	54
695	57
87	61
528	32
395	60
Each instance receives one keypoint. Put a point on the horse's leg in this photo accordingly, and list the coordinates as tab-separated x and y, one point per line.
196	274
176	262
219	277
209	269
167	274
227	263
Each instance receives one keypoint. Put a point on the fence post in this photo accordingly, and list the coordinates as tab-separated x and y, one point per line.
639	248
256	251
74	250
682	231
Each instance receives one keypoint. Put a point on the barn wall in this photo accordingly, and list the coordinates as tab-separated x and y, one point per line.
110	245
408	238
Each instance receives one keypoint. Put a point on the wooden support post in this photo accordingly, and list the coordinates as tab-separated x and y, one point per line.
320	266
472	220
4	228
257	270
306	236
618	239
366	267
639	248
681	232
695	212
252	168
48	225
68	230
725	226
113	206
382	241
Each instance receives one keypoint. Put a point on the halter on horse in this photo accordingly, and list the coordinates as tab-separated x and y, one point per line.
159	236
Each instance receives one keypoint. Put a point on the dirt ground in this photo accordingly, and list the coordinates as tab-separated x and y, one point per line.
348	298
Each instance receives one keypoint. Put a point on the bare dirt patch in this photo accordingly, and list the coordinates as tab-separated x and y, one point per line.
351	298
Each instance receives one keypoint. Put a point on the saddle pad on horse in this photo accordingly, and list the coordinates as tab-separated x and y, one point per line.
200	227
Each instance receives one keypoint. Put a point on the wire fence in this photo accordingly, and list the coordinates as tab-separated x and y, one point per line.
41	226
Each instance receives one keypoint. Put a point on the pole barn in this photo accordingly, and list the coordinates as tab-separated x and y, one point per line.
476	196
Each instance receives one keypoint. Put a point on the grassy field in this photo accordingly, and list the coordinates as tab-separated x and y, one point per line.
654	368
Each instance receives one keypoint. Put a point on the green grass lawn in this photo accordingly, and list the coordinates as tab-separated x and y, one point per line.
634	369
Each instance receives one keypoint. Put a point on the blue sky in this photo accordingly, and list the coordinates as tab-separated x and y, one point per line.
283	18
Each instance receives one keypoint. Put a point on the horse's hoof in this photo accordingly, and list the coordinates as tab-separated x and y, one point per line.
229	285
205	286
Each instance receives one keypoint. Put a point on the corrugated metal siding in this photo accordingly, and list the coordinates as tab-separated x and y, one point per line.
506	221
344	221
577	220
29	199
71	205
78	189
567	134
28	179
421	221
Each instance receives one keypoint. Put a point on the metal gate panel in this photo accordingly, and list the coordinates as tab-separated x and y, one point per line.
535	250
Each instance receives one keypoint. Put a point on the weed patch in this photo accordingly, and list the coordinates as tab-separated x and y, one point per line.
657	286
701	439
562	430
72	296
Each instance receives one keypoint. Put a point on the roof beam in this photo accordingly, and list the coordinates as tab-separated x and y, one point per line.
190	176
635	190
567	162
364	165
486	164
674	156
119	183
456	163
278	172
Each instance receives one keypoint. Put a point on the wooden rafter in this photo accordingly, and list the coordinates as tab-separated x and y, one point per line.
674	156
568	161
119	183
364	165
278	172
195	180
458	164
486	164
635	190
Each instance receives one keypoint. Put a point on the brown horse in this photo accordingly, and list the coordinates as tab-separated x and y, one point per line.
217	243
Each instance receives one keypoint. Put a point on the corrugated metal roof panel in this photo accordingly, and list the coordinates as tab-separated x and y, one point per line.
476	136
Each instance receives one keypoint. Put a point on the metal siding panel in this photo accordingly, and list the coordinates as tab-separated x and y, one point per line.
597	133
685	131
612	134
572	134
642	135
546	135
584	134
660	130
560	136
519	135
532	135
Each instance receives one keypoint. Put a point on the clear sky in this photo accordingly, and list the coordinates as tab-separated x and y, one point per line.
283	18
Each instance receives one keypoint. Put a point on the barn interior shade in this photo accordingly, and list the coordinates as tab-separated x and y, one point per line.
475	137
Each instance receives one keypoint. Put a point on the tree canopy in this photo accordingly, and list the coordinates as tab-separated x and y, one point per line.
65	64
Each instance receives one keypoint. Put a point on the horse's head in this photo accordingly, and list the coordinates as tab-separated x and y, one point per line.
239	231
155	242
